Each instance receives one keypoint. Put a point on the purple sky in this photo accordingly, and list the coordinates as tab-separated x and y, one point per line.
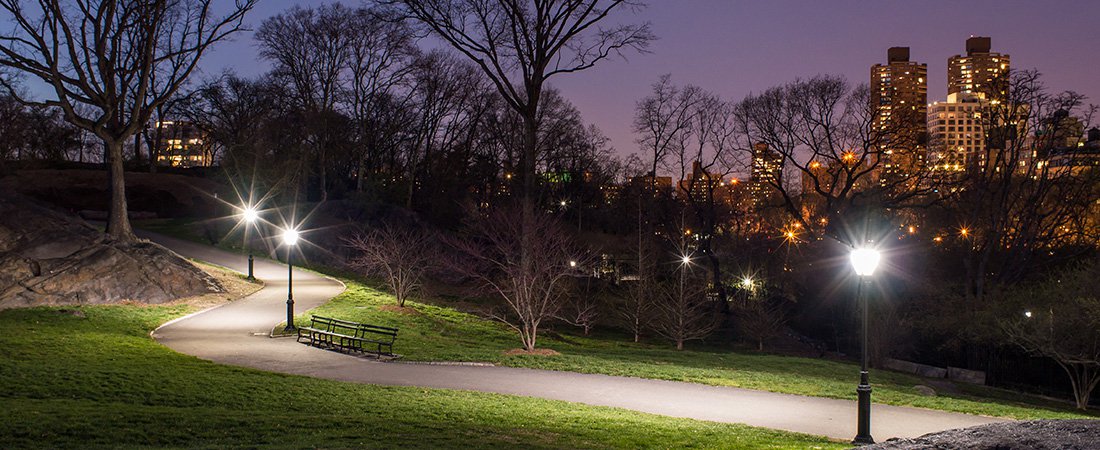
733	48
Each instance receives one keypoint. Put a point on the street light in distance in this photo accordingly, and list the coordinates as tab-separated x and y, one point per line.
250	216
290	238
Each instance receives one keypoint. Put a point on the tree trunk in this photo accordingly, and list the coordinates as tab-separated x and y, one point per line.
118	219
679	344
530	146
360	171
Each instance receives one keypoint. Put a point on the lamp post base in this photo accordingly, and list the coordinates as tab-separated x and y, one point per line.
251	277
863	434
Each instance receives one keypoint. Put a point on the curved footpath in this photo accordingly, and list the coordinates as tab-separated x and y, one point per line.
235	334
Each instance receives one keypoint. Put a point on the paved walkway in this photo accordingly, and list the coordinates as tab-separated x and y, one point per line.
231	334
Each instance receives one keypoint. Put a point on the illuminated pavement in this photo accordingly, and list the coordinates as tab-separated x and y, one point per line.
235	334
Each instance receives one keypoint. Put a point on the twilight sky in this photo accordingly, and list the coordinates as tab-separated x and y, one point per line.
734	47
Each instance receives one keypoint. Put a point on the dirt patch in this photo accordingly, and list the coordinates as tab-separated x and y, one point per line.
401	310
235	288
535	352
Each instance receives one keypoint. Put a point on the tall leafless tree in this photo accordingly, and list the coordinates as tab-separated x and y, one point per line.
107	54
310	51
663	120
520	44
832	152
380	58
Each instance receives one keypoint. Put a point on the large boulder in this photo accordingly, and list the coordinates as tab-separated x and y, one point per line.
1029	435
48	258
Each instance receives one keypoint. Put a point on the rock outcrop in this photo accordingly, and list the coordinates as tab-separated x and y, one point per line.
1029	435
47	258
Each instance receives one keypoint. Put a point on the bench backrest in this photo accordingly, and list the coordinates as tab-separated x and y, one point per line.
378	330
334	325
352	328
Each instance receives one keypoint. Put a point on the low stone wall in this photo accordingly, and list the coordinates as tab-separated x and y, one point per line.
924	370
966	376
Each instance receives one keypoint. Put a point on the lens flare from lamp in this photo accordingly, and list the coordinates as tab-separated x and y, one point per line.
290	236
865	260
250	214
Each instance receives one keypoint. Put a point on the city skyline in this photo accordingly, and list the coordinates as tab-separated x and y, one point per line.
737	48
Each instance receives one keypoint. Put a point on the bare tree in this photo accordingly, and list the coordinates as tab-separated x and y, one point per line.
1059	319
401	256
636	307
519	44
683	312
1014	204
532	288
831	150
380	56
663	120
106	54
760	316
583	305
310	51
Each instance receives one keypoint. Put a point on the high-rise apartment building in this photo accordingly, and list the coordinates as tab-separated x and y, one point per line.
981	72
956	126
766	164
899	94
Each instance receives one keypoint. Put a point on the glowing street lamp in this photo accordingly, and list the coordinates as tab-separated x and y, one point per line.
290	238
250	215
864	261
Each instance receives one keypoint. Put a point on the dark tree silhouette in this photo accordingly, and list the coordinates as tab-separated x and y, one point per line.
520	44
122	58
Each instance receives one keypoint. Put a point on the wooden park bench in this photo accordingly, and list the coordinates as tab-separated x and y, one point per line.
336	334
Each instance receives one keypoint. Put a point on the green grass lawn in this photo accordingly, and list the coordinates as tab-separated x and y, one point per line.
438	333
101	381
441	333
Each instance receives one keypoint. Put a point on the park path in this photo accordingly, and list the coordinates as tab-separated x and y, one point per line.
235	334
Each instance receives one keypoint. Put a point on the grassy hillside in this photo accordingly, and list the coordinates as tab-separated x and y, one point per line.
91	377
439	333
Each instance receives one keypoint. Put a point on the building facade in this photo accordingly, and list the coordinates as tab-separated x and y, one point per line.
182	144
957	134
766	164
980	72
899	96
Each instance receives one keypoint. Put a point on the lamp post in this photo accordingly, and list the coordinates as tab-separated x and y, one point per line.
250	216
864	261
290	238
